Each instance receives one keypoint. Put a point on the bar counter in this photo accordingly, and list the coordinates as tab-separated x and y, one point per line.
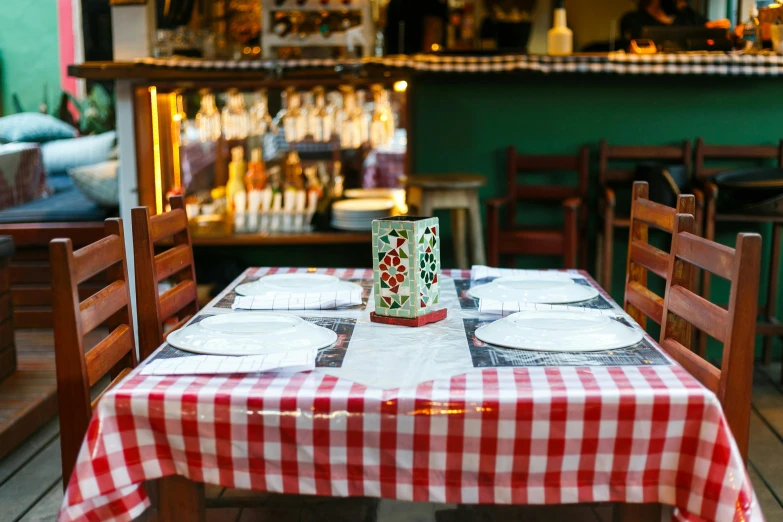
463	111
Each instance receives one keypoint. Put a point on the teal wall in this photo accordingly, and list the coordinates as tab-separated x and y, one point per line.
463	124
29	55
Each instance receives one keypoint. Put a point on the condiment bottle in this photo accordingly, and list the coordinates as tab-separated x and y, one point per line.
256	177
236	175
560	39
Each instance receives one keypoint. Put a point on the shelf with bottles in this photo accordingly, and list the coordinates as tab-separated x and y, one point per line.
269	160
296	26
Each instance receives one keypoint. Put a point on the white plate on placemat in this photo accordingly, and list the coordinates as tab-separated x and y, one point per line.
296	284
551	288
251	333
559	331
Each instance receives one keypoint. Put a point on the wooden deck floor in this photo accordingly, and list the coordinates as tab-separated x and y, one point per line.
30	487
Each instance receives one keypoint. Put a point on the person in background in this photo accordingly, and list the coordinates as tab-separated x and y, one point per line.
664	12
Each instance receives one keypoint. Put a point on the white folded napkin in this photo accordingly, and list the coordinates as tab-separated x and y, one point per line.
294	360
291	301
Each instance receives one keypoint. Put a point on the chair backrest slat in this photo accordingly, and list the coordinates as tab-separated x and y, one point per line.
625	153
76	370
97	257
738	153
517	164
176	298
96	309
710	256
644	300
106	353
167	224
651	258
708	375
735	326
702	314
640	302
181	300
172	261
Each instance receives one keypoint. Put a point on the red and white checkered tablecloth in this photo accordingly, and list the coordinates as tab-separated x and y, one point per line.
537	435
22	175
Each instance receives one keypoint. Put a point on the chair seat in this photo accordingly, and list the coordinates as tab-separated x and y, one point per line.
543	241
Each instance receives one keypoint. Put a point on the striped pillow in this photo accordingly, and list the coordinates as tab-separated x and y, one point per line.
98	182
61	155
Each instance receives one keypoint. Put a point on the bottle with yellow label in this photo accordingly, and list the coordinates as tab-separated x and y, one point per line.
560	39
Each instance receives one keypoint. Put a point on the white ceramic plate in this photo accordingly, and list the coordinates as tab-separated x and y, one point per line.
251	333
296	284
559	331
548	289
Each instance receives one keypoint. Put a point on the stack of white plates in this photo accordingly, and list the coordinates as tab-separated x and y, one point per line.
358	214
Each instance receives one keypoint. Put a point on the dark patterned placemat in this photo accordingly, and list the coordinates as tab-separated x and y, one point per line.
487	355
469	303
331	357
228	300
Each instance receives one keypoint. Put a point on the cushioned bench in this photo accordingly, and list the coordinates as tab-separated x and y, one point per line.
67	204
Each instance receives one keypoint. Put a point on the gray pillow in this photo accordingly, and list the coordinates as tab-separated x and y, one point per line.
62	155
98	182
34	127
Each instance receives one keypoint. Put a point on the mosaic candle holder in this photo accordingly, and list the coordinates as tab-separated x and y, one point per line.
406	266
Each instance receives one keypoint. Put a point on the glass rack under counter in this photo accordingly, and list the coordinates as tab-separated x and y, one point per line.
263	162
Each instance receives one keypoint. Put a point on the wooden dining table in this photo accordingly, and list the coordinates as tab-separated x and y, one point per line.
427	414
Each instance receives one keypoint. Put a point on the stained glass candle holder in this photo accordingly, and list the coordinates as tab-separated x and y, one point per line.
406	270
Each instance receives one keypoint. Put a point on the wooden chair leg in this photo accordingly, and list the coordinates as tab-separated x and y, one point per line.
570	239
478	253
608	250
636	513
772	291
458	235
493	237
709	233
180	500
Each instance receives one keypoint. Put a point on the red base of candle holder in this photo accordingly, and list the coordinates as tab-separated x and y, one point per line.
432	317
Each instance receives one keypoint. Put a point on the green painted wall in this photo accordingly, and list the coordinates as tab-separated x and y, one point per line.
463	124
28	52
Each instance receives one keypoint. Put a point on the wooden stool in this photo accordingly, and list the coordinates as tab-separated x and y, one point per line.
7	348
458	193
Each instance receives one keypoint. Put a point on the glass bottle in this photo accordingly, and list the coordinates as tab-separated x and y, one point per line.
256	177
208	118
308	115
236	120
260	119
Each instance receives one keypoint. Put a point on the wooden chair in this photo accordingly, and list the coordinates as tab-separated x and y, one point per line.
179	302
741	156
569	241
640	302
74	318
609	177
735	327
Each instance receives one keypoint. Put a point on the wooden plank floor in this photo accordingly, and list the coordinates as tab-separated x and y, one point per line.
30	489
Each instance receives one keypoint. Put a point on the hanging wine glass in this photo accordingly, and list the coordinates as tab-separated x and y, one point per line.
363	116
350	137
236	121
260	119
208	118
180	120
319	126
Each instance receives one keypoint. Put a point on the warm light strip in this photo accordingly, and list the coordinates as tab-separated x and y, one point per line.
156	150
176	127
